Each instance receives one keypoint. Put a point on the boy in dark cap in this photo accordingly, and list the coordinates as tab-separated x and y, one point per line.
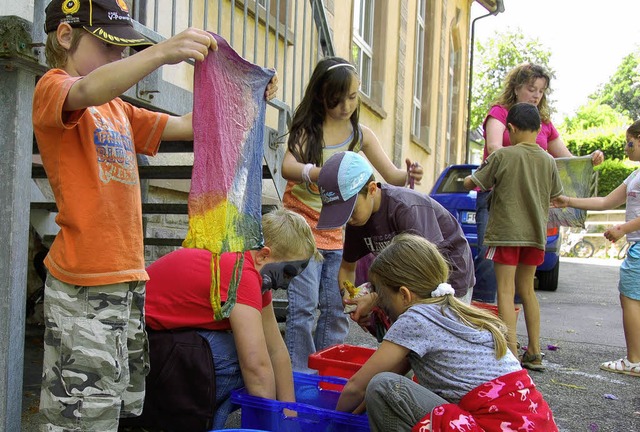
375	213
524	178
95	357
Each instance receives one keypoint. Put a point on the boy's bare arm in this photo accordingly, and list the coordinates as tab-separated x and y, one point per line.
111	80
347	272
178	128
468	183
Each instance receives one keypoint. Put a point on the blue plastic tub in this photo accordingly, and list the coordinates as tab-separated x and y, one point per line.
315	407
238	430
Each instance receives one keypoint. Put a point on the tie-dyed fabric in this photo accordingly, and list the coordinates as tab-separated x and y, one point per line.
577	177
226	183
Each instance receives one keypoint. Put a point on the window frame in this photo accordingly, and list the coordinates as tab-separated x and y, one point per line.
361	49
420	131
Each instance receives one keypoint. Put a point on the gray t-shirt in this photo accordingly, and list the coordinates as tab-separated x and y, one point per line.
633	202
524	179
447	356
405	210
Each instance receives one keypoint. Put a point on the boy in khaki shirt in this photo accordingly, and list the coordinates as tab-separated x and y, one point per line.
524	178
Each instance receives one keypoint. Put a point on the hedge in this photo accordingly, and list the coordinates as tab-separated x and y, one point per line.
586	142
611	174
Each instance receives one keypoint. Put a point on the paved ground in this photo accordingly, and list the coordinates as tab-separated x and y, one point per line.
582	319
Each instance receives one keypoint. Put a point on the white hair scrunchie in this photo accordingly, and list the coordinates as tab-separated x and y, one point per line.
442	290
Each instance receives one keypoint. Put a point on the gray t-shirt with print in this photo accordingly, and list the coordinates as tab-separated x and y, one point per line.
447	356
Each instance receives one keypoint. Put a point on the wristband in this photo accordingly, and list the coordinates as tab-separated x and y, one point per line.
305	172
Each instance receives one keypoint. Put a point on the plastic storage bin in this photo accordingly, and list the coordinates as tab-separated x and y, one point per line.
315	407
491	307
340	360
238	430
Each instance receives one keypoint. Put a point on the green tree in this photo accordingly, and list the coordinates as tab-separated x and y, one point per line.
493	60
595	115
622	92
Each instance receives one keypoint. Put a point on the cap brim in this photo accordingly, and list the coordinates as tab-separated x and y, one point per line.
119	35
336	214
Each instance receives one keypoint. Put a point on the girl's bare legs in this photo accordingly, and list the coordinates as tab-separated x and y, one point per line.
524	286
506	283
631	324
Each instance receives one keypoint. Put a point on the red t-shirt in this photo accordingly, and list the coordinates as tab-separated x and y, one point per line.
178	291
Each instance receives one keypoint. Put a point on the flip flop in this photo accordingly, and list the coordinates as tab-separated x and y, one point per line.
532	362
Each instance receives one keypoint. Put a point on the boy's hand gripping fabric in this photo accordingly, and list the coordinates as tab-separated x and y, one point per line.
226	184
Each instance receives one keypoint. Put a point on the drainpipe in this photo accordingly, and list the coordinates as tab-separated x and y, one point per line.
499	9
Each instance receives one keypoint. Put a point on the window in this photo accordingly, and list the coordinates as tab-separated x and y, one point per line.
453	115
362	49
454	181
421	103
277	9
418	71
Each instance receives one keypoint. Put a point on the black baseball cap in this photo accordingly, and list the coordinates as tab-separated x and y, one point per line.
108	20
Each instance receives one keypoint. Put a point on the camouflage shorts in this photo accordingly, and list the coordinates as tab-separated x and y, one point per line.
95	355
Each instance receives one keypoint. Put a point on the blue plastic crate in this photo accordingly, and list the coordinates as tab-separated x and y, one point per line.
238	430
315	407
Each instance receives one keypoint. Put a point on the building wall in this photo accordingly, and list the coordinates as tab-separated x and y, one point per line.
390	119
390	114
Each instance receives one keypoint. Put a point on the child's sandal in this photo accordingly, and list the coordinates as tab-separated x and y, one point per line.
622	366
532	361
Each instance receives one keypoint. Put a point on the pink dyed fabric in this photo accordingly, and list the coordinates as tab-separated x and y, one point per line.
226	184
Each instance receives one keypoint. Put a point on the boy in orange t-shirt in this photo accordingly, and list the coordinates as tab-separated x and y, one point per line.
95	357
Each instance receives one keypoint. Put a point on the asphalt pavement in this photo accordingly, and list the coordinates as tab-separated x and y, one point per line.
581	326
581	323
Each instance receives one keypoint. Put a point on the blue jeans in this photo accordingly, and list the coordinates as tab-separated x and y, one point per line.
315	288
228	375
485	288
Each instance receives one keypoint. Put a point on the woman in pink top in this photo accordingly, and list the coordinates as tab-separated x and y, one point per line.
525	83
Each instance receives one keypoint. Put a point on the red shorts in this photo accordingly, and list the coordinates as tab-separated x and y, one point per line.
514	255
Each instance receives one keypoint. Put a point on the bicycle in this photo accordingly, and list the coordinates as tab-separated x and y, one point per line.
583	249
578	246
622	253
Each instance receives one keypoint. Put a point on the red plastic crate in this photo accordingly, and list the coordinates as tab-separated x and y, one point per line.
491	307
340	360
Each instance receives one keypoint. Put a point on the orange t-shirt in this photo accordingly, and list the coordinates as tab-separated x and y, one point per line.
90	159
304	199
